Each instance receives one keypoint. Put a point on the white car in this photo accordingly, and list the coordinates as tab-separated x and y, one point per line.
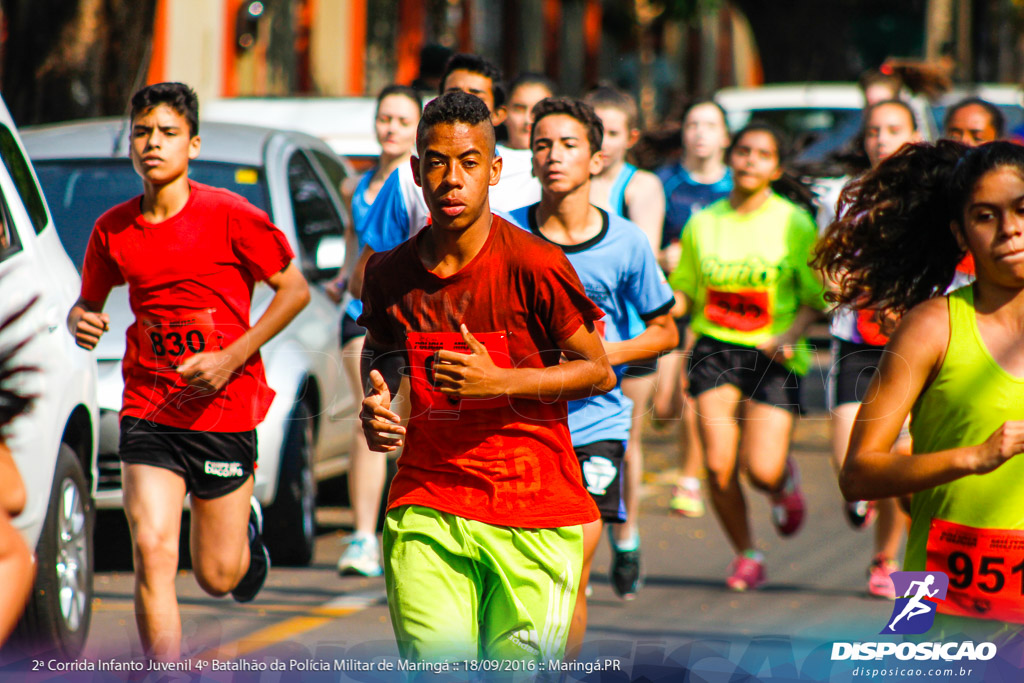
819	117
54	444
344	123
84	169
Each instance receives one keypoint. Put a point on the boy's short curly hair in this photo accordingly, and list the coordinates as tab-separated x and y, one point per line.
577	109
177	96
454	107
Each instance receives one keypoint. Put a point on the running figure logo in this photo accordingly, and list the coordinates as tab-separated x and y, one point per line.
914	613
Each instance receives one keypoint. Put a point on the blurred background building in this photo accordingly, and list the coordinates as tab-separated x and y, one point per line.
65	59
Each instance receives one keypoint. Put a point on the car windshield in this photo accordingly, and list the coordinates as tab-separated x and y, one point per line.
80	190
803	125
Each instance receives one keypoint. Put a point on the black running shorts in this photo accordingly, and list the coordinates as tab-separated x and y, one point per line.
350	329
758	377
601	463
644	368
213	464
853	367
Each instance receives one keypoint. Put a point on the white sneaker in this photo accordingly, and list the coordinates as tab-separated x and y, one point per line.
361	557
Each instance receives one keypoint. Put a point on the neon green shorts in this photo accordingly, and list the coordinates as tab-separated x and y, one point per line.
461	589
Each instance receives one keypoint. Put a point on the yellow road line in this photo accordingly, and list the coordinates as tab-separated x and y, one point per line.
270	635
314	617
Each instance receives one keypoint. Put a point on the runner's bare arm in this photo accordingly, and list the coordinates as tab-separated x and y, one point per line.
684	304
474	375
660	336
645	199
12	492
912	358
379	369
213	369
355	279
87	322
782	344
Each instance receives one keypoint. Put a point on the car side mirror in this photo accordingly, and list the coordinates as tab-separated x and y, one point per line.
328	257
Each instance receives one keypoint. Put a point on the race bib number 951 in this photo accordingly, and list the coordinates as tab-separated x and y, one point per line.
745	310
985	568
166	342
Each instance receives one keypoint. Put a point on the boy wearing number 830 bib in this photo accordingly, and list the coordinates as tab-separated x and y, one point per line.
194	385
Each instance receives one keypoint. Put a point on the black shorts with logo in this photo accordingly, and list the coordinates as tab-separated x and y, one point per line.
601	463
213	464
716	362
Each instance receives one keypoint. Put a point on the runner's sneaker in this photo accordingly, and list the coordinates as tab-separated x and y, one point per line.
259	558
745	573
625	572
880	577
686	501
361	557
860	513
788	505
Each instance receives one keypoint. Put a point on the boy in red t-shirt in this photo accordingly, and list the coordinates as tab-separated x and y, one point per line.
194	385
482	542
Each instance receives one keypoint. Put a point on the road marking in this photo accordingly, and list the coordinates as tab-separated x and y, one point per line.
319	610
314	617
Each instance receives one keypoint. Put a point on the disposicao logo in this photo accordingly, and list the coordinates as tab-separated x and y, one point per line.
914	613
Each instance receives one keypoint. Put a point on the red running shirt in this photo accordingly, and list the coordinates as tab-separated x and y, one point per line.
506	462
190	280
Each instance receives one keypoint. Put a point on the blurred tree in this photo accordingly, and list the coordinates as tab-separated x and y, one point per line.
68	59
810	40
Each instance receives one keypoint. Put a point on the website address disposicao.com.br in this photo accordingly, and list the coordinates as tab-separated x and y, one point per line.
946	673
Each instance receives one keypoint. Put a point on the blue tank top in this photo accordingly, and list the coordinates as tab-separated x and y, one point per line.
360	207
617	195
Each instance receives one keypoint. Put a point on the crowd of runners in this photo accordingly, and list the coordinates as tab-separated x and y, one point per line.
524	297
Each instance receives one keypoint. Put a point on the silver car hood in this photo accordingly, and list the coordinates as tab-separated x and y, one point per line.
112	345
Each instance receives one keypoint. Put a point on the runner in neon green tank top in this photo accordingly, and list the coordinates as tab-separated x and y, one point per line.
955	364
744	277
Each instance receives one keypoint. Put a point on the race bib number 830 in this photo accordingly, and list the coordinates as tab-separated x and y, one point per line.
166	343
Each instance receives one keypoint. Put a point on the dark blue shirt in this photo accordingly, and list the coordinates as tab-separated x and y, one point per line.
684	197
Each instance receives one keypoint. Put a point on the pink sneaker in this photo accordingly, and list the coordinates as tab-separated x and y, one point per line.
880	577
788	505
745	573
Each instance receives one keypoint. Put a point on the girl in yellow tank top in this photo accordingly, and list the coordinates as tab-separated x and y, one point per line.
955	364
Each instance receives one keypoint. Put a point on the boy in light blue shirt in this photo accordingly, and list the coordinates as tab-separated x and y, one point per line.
618	270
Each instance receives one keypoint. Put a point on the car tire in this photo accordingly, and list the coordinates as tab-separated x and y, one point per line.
60	609
289	524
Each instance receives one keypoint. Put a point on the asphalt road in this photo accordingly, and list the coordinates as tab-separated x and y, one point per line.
683	623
